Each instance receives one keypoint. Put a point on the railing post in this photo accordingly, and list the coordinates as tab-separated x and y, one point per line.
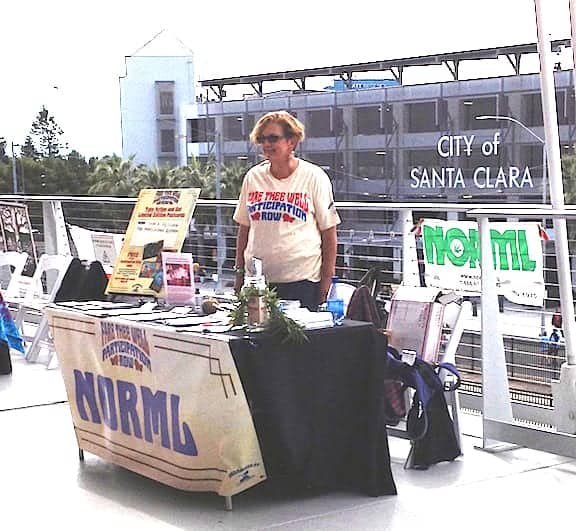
495	390
410	272
564	391
55	233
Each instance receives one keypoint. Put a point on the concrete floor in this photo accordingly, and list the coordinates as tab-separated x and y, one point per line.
44	486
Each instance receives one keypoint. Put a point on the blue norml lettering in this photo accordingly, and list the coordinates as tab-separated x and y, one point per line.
115	404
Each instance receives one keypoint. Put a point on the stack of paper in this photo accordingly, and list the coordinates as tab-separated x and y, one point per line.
310	320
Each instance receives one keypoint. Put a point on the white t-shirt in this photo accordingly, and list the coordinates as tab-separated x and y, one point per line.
286	217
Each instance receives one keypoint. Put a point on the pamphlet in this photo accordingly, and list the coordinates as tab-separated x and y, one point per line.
178	276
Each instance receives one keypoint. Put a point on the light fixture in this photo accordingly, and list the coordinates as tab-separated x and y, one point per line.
466	196
468	102
242	157
380	152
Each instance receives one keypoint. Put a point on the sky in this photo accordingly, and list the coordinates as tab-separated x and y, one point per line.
69	55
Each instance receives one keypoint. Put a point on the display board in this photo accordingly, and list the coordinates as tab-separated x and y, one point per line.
159	222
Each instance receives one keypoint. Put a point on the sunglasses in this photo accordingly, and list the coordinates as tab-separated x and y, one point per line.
272	139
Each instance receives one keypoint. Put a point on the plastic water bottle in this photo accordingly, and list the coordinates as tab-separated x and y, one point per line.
335	302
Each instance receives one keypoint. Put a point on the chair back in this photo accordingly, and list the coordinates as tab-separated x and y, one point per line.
12	264
346	291
47	277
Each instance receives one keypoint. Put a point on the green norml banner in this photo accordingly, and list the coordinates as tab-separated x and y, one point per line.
452	258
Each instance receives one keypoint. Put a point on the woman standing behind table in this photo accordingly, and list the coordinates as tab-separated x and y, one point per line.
286	215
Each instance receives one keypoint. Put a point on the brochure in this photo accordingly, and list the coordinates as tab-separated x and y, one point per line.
178	275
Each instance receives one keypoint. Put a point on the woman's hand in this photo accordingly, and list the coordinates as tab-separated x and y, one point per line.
238	281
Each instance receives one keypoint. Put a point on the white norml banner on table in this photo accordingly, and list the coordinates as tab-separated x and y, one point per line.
167	405
452	258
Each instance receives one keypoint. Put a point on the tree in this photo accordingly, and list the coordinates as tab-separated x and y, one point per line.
162	177
232	177
29	149
115	176
569	183
45	135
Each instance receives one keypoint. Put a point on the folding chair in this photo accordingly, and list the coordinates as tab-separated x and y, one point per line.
40	292
453	320
12	264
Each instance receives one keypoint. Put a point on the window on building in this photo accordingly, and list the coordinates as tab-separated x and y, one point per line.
532	107
531	156
374	120
167	141
234	128
374	164
324	122
330	161
201	129
166	102
472	107
427	158
426	116
165	98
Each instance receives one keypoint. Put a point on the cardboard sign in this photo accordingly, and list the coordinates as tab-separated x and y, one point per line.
159	223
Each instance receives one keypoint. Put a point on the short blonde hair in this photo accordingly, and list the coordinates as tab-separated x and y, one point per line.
291	126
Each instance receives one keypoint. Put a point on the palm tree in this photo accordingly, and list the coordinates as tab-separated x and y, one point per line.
232	177
116	176
202	174
162	177
569	183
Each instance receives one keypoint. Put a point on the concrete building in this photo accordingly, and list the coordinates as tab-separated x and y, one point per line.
403	142
158	84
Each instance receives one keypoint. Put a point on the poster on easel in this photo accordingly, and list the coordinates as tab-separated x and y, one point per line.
16	232
159	222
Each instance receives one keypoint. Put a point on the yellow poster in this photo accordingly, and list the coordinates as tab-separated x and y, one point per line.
159	222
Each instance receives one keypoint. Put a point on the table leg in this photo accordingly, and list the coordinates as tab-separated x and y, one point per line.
81	454
228	502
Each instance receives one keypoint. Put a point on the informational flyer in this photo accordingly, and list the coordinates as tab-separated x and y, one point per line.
159	223
104	248
178	278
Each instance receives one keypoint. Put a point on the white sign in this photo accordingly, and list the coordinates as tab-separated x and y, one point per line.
452	258
105	248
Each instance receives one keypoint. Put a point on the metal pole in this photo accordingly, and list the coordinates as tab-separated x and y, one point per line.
219	244
14	176
555	180
544	189
544	200
572	4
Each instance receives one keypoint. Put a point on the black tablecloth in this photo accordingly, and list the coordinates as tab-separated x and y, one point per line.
317	408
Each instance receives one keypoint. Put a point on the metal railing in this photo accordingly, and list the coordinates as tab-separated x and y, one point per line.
371	235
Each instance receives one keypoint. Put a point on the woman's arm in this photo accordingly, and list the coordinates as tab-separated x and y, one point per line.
241	243
329	246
